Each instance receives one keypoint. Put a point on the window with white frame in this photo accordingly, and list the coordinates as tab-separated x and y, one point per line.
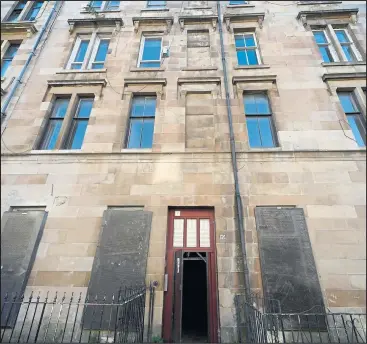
247	49
338	49
354	116
8	57
25	10
89	52
104	5
349	50
156	4
327	50
150	52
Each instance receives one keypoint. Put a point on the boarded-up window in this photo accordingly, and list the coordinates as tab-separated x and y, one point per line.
287	264
21	232
198	49
121	258
200	120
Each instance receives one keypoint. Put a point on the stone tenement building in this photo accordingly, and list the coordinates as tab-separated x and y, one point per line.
215	149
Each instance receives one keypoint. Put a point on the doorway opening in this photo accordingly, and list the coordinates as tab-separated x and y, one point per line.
195	298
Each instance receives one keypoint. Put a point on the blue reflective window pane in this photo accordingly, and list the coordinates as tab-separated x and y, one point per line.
342	37
113	4
97	65
85	108
4	66
150	64
348	52
147	134
76	66
239	41
262	104
156	3
253	132
252	58
347	102
20	5
81	51
96	4
11	51
32	14
60	107
138	107
355	126
150	105
242	58
52	133
14	16
237	2
325	53
79	133
320	37
250	104
250	41
135	133
152	49
265	132
102	50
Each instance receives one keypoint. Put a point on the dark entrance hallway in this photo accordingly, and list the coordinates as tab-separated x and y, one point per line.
194	298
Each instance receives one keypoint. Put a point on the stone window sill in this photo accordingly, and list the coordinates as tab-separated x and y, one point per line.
198	68
136	150
331	64
272	149
163	9
81	71
198	8
137	69
241	6
252	67
318	2
104	11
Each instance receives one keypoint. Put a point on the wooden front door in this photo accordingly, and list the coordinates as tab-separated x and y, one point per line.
190	230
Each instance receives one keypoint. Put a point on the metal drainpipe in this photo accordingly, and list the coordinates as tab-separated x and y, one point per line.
238	201
31	54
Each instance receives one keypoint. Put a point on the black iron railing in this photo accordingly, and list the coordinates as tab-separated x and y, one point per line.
256	325
54	317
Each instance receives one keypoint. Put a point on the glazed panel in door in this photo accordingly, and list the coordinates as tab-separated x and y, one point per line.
190	230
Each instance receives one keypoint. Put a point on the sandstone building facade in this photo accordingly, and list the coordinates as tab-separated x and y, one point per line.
116	151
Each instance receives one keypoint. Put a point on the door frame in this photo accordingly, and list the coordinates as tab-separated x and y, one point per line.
213	324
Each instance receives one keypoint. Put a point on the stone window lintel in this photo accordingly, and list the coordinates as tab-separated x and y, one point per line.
154	85
81	86
185	85
26	27
192	18
241	83
95	22
137	21
309	18
328	78
228	19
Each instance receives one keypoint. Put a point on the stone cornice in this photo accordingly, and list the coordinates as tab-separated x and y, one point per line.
95	22
26	27
255	78
306	16
228	18
201	80
137	21
138	81
186	19
340	76
90	82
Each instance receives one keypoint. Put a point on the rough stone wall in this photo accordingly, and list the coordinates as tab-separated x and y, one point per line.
315	167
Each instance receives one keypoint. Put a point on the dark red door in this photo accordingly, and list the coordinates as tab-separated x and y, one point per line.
189	230
177	303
